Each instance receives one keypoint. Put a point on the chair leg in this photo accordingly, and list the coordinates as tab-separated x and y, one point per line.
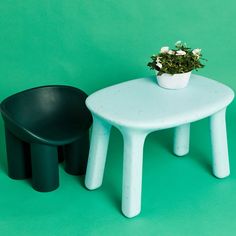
76	155
18	157
45	171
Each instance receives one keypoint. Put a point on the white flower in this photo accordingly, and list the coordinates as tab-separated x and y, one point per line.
197	51
164	50
171	52
180	53
159	65
158	62
158	59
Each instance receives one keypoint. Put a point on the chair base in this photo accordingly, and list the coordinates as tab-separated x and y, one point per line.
45	172
76	155
18	157
40	161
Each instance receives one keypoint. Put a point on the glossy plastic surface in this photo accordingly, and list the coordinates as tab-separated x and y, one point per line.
41	123
53	115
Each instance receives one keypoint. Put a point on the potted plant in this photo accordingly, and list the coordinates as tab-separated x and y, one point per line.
174	66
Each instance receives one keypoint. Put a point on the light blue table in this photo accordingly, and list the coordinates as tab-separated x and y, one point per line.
140	106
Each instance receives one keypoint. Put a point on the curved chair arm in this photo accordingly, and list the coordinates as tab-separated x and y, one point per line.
15	127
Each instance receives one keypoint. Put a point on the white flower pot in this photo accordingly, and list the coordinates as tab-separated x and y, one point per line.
176	81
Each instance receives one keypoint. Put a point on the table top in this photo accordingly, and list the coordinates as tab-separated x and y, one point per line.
141	103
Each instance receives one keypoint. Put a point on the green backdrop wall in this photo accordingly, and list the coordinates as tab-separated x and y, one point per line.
95	43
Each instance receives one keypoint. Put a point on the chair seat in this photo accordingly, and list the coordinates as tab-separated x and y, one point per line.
57	133
53	115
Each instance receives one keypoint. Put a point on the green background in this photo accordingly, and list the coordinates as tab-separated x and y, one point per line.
92	44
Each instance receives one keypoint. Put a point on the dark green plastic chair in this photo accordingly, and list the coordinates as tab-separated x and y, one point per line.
39	122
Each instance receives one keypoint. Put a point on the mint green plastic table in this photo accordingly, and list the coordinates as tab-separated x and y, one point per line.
140	106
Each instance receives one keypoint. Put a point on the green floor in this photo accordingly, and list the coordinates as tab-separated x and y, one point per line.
180	195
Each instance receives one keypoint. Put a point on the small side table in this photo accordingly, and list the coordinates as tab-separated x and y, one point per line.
140	106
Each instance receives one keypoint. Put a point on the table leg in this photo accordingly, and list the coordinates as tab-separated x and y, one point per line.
97	153
132	173
219	144
181	139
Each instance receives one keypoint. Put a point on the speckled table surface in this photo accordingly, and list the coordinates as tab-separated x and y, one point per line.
142	103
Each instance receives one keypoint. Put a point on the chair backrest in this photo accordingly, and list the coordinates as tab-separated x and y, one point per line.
55	103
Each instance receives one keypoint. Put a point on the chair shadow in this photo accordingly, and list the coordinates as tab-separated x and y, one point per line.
81	180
